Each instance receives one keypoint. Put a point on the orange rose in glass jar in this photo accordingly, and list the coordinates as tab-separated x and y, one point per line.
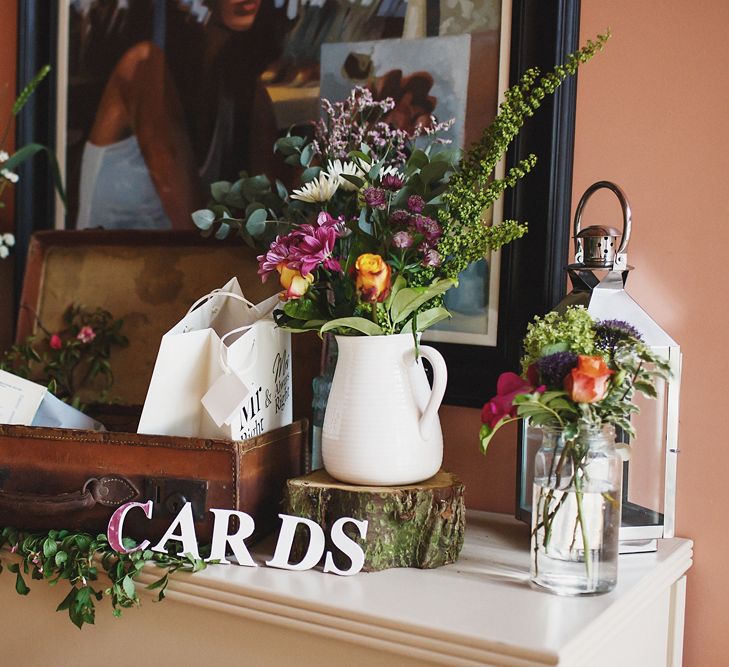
588	381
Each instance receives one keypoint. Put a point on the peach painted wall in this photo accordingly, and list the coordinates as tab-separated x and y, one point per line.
653	116
8	49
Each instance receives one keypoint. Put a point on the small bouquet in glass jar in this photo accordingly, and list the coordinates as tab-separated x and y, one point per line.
579	378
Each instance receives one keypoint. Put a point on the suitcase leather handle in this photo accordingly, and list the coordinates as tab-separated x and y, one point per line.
109	491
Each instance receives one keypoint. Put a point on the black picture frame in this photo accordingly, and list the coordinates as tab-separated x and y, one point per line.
531	280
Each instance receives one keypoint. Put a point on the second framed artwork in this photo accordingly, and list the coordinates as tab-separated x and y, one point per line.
449	59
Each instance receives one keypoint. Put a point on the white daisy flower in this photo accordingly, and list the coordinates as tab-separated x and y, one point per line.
4	252
320	189
390	171
8	240
4	157
385	171
338	168
9	175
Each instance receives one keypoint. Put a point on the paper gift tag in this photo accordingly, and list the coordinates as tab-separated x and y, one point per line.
19	399
225	398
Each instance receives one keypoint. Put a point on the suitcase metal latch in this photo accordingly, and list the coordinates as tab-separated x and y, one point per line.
169	495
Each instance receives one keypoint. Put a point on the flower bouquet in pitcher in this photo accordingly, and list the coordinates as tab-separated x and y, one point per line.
579	378
382	225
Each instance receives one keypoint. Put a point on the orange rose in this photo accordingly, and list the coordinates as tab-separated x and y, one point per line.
293	282
588	382
372	278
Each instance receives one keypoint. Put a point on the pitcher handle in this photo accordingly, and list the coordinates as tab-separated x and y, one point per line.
440	379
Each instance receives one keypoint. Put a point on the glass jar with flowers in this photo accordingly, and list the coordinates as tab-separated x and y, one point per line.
383	223
578	381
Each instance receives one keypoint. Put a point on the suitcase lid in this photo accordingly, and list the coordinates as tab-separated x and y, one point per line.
147	278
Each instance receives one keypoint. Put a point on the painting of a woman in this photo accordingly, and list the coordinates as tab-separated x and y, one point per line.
182	107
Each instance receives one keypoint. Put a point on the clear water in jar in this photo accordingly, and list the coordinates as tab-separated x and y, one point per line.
572	556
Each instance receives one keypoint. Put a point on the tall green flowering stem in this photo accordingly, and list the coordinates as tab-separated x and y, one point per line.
472	190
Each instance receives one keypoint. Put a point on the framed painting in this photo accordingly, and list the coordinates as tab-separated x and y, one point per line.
281	88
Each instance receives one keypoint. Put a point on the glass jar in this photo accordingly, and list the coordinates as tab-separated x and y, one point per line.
322	385
576	512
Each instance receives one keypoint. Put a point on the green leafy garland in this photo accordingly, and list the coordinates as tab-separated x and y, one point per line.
80	558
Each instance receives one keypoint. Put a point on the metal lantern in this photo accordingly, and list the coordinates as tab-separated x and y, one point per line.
598	279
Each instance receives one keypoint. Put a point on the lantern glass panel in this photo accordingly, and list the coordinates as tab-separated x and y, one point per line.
644	480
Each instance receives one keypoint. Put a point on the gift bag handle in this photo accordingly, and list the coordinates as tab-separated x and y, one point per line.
224	362
219	292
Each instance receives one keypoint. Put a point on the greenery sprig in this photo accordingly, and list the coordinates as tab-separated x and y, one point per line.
80	559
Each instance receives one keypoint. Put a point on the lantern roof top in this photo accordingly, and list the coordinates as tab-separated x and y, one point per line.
608	300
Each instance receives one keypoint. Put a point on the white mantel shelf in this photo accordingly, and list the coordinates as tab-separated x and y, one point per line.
478	611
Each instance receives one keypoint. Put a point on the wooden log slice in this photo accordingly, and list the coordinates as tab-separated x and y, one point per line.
419	525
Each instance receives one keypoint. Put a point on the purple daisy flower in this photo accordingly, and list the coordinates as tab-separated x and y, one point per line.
278	252
326	220
314	249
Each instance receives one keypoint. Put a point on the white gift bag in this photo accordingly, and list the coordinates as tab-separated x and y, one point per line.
223	371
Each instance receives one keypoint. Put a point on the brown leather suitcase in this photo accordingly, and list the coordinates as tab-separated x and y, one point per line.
60	478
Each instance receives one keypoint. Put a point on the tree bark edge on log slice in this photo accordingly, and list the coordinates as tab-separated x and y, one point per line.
418	525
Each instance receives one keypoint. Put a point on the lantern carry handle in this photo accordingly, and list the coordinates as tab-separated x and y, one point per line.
627	221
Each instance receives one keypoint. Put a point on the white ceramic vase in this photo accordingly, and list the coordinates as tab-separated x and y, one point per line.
381	425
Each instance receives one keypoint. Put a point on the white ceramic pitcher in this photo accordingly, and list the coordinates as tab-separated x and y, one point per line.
381	424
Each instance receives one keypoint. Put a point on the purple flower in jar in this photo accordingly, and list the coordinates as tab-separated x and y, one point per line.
416	203
402	240
375	197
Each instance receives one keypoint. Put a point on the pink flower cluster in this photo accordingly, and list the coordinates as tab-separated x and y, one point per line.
85	335
305	249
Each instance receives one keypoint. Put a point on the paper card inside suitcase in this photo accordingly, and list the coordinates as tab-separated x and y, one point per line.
148	279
